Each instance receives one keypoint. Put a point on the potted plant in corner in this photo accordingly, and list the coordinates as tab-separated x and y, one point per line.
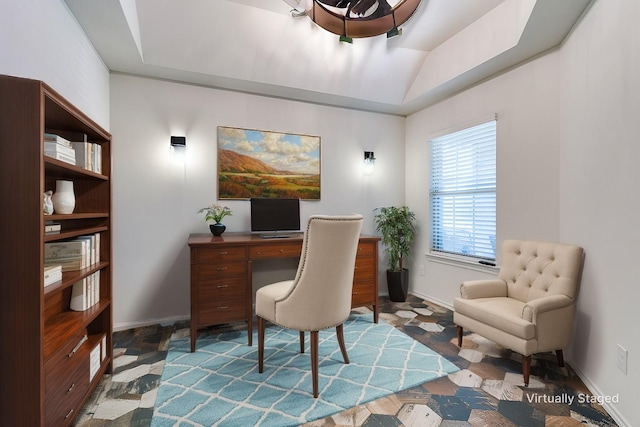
215	213
395	223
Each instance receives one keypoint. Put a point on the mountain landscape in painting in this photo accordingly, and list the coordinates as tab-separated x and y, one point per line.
243	177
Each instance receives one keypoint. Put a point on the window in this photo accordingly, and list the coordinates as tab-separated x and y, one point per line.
463	193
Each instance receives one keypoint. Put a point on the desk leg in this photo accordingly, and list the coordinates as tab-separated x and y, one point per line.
249	299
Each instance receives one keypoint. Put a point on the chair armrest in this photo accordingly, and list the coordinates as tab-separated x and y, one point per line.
536	307
483	289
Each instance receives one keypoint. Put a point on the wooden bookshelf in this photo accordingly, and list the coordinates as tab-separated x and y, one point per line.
46	347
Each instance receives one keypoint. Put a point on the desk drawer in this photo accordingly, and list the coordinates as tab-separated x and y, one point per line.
212	290
365	269
365	249
220	270
209	254
362	294
281	250
214	312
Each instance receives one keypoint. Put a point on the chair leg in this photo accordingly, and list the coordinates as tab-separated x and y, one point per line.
560	358
460	332
314	362
260	344
301	341
526	369
343	348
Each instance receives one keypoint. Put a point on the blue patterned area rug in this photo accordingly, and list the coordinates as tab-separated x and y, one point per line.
219	384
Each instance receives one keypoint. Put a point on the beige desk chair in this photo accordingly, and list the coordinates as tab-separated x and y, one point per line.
530	307
319	296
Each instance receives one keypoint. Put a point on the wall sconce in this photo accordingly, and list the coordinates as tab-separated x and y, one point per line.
178	142
369	162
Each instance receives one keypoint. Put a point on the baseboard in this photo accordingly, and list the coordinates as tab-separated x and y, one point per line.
433	300
610	408
164	321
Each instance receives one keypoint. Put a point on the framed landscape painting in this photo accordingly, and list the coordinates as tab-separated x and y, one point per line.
258	163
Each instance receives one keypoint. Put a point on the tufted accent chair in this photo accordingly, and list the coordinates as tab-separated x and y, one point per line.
529	308
319	297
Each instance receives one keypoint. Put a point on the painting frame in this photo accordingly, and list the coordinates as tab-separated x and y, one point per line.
265	163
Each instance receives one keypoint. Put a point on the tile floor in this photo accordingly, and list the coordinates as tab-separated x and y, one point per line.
487	391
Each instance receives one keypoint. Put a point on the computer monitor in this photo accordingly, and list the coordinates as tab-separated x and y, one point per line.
271	216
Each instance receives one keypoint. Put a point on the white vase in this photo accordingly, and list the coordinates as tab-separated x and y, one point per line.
64	201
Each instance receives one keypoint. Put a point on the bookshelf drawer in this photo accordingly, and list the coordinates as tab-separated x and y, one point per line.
216	311
209	254
210	290
220	270
282	250
63	361
62	405
365	269
362	294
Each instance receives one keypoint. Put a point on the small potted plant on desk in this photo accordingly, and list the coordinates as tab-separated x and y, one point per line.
215	213
397	229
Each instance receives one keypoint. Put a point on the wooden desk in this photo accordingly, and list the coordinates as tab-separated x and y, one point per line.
221	276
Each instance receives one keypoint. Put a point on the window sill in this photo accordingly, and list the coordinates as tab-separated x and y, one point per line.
462	262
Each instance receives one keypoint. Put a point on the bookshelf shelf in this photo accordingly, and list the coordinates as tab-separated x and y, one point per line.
71	277
64	170
74	232
58	355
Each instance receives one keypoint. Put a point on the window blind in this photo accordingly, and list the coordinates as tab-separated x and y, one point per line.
463	192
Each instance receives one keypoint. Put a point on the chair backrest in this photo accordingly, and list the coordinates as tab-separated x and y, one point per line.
536	269
321	295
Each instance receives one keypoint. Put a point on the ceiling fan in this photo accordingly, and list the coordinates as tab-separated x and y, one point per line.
356	18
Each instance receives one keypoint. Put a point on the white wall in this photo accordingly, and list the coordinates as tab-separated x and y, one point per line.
157	194
41	40
567	147
600	201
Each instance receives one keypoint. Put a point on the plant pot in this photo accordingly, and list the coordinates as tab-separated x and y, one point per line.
217	229
398	284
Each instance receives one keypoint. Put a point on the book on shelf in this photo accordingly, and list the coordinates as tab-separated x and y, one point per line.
71	254
60	156
88	155
59	148
75	254
97	355
52	137
103	347
52	274
67	264
85	292
94	361
90	247
52	228
56	148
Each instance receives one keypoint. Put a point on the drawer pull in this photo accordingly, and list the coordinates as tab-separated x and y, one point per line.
68	415
77	347
223	308
281	251
224	253
222	286
221	268
71	388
